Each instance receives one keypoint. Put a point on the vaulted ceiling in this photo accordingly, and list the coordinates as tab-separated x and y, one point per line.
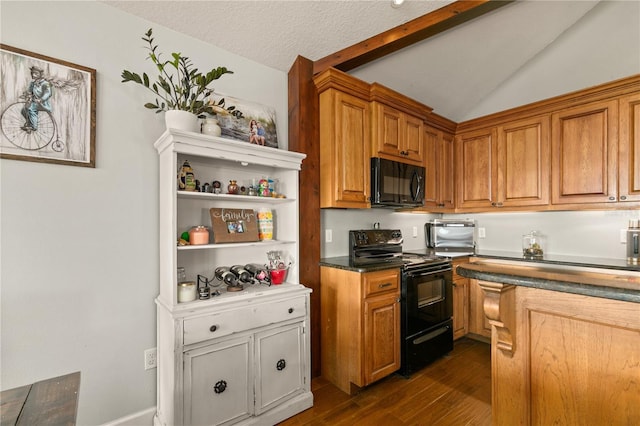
450	72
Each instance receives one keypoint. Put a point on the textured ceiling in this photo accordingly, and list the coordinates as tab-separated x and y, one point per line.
450	72
274	33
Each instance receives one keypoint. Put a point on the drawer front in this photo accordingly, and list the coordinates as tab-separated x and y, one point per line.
381	282
214	325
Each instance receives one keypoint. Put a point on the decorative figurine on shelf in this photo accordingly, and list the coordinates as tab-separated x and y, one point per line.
186	178
216	187
263	188
252	191
232	188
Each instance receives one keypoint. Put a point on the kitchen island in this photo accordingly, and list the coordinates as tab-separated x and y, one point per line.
565	340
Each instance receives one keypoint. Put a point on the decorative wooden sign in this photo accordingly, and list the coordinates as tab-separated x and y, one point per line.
234	225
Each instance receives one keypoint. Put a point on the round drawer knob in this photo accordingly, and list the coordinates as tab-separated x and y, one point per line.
213	328
220	386
281	364
290	310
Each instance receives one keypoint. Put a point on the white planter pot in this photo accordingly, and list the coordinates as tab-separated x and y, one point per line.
181	120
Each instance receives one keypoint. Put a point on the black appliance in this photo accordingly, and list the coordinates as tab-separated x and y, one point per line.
426	301
395	184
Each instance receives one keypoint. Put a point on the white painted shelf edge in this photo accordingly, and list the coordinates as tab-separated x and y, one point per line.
233	197
235	245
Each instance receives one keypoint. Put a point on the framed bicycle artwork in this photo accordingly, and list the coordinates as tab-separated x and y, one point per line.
47	109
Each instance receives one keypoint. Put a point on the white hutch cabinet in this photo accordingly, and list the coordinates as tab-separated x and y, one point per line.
239	357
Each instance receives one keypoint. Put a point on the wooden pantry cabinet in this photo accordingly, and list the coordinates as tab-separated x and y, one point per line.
360	323
345	140
504	166
237	357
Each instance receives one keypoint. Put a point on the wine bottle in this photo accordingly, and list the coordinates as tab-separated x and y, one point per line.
257	271
224	274
243	275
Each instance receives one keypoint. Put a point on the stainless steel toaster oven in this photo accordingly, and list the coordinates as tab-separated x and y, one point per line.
449	237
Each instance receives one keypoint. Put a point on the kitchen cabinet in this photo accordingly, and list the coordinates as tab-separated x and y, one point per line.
584	141
238	356
439	176
479	325
360	323
460	301
397	126
345	140
504	166
629	149
476	168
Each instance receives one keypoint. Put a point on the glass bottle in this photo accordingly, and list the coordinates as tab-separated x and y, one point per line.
224	274
243	275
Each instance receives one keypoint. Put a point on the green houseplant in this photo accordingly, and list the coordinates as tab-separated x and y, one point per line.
179	86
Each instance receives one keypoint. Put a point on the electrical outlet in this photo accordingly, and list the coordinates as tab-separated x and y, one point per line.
415	232
150	358
482	233
623	236
328	236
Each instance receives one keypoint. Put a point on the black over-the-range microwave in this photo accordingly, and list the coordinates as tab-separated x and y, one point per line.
395	184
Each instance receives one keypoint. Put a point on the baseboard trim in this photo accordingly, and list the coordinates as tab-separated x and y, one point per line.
141	418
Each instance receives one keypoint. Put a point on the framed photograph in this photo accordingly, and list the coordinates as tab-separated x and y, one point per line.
47	109
258	126
234	225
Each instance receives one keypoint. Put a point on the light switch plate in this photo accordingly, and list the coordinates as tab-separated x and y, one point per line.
482	233
328	236
415	232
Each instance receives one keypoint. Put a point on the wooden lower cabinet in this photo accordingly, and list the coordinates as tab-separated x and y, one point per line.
460	301
562	359
478	322
360	326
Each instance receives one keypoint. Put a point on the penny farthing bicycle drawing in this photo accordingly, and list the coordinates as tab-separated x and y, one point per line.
45	133
47	109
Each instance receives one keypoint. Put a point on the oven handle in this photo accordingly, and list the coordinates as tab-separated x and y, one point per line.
413	274
431	335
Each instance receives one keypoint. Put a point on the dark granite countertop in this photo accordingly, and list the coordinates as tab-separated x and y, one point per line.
558	259
342	262
612	285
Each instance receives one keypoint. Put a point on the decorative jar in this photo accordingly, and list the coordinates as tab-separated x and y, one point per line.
232	188
533	245
211	127
198	235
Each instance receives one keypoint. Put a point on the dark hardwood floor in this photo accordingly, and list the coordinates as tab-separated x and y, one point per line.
454	390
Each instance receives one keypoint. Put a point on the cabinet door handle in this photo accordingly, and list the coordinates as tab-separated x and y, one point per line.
612	198
290	310
213	328
384	285
281	365
623	197
220	386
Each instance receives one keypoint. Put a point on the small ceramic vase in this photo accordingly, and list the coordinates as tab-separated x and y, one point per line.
211	127
232	188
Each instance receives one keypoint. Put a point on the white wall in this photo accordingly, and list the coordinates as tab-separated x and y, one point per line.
79	258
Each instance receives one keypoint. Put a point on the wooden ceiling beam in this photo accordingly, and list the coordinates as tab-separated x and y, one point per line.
407	34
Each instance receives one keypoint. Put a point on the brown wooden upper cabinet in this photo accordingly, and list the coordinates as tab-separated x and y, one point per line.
345	140
629	149
438	162
397	126
585	154
504	166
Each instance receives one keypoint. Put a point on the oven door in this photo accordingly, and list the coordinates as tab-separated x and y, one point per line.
428	300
